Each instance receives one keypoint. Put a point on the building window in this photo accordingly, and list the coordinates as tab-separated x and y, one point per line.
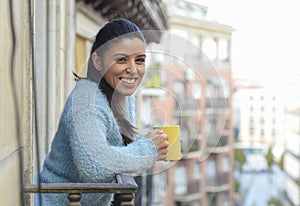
179	90
210	48
262	132
273	132
251	131
262	120
251	121
211	172
196	90
180	180
195	51
225	163
159	185
223	52
196	171
251	108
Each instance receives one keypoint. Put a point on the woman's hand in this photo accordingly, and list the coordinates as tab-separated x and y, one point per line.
160	140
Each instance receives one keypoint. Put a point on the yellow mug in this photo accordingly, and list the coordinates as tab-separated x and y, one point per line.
174	148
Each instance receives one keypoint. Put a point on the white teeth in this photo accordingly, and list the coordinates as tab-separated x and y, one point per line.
129	81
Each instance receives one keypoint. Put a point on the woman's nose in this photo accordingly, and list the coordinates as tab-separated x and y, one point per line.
132	67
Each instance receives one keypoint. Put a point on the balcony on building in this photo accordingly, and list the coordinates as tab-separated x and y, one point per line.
218	183
188	180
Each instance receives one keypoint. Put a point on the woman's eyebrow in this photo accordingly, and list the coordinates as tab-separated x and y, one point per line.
121	54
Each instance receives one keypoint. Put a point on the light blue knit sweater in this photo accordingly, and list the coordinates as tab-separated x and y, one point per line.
88	146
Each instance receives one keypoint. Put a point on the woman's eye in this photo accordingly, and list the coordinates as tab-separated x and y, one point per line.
121	59
140	60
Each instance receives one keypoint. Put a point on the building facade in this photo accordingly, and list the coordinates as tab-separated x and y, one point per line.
16	105
189	84
291	158
260	118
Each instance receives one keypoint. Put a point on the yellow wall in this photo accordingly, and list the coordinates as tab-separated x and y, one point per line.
81	53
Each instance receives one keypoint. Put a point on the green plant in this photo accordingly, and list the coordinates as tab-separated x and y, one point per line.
274	202
237	186
281	162
269	157
240	157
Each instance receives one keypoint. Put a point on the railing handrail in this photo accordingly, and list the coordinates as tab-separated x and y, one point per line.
125	185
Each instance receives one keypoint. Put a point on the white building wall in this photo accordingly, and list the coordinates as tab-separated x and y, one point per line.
292	155
262	111
293	191
292	166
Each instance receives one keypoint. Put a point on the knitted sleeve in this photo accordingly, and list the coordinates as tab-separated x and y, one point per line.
95	158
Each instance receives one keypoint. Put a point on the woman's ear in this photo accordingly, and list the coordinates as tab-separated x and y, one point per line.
96	61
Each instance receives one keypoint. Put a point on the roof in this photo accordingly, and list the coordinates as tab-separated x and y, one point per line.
146	14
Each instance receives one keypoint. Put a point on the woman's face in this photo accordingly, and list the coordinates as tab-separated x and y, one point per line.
124	63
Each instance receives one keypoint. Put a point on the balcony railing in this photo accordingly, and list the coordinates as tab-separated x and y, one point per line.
125	187
216	141
188	105
192	194
217	103
218	183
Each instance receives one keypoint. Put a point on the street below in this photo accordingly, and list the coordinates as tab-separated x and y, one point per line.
258	184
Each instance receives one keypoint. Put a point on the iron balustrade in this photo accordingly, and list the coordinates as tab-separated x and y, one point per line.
125	187
220	179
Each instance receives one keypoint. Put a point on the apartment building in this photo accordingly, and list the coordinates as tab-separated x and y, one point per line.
259	118
189	83
291	160
292	157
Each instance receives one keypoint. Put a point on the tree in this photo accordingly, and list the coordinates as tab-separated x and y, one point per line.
240	157
274	202
270	158
237	186
281	162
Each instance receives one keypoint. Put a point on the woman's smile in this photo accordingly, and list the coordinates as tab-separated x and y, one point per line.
127	80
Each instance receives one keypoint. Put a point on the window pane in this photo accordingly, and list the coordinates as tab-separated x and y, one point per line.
223	50
180	180
210	48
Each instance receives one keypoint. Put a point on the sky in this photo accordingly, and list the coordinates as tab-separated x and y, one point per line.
266	40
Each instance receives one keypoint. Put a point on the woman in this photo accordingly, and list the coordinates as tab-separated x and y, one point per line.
96	137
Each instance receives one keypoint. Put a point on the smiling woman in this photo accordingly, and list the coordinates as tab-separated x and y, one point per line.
96	137
123	65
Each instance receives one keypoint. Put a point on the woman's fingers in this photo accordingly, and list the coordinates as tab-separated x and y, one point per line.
163	151
162	154
154	133
162	146
160	140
